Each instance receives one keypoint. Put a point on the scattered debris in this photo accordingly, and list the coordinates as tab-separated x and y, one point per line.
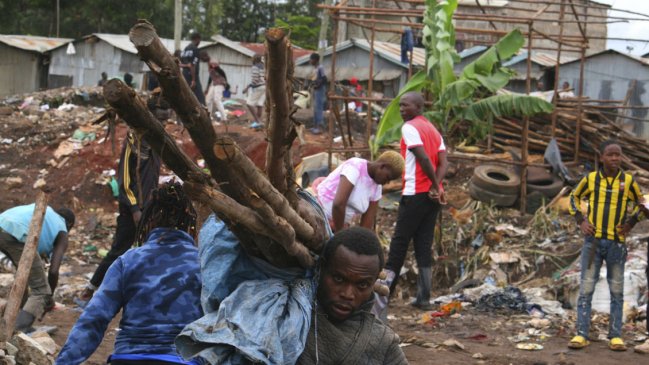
529	346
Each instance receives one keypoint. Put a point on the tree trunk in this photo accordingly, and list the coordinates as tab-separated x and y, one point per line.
279	95
181	98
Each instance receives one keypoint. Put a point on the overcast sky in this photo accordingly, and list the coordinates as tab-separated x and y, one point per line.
632	29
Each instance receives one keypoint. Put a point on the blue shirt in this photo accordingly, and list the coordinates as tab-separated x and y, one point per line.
157	287
15	221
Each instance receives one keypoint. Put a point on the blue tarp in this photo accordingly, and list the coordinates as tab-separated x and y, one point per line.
254	311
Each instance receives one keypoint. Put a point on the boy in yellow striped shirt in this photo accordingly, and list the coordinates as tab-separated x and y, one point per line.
608	190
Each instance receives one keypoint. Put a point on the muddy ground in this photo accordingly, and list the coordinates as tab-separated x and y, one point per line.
80	182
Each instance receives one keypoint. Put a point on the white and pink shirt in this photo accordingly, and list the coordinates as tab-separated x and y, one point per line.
419	132
365	189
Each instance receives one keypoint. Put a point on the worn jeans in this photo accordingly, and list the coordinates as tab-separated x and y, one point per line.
416	222
614	253
319	98
40	295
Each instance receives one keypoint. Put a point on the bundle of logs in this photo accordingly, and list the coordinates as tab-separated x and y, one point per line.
264	211
596	127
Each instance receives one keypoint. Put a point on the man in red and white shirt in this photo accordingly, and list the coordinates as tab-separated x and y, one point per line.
422	147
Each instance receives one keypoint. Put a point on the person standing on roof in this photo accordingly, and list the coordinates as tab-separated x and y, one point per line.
190	58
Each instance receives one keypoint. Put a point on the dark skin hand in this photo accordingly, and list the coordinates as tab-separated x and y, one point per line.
136	216
345	188
434	176
586	228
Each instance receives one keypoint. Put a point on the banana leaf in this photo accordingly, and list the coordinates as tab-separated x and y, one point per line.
506	105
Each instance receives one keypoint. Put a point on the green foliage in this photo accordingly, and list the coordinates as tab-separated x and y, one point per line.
504	105
240	20
469	98
305	30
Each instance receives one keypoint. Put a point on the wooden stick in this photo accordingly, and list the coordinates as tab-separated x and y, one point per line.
24	267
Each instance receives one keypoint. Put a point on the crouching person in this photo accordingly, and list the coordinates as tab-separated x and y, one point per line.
343	330
157	286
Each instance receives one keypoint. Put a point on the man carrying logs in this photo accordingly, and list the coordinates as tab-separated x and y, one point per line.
343	330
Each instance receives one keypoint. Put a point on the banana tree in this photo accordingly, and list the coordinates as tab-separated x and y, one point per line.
469	97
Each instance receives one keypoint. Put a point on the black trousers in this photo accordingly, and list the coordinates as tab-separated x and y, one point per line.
647	271
416	222
124	238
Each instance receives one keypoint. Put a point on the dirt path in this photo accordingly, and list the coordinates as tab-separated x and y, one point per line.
487	334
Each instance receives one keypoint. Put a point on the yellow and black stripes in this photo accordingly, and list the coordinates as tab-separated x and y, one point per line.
608	199
126	171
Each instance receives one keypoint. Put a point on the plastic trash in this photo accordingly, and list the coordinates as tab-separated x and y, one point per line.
529	346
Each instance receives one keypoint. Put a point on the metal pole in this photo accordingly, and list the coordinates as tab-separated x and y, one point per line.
557	67
178	23
526	122
58	18
580	93
370	82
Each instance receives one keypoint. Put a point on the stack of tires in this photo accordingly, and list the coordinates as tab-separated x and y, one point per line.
500	186
542	186
495	184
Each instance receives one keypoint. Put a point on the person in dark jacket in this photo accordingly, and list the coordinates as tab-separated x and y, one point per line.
157	287
343	330
139	170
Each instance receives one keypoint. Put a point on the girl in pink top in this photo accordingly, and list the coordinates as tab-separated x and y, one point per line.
354	188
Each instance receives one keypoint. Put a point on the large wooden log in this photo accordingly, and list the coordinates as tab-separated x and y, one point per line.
225	149
243	221
198	123
181	98
134	111
24	267
281	131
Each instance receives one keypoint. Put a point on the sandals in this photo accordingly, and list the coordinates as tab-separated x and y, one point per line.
578	342
617	344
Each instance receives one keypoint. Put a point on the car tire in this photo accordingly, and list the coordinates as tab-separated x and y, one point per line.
549	189
487	196
496	179
538	175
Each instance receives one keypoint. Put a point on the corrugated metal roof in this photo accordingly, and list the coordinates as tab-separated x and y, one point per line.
541	59
33	43
471	51
123	42
260	48
346	73
219	39
643	61
388	51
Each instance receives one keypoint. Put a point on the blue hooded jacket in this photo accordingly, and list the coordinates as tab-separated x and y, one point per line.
158	287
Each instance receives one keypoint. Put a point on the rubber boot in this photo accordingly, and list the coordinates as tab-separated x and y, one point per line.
24	321
380	307
424	286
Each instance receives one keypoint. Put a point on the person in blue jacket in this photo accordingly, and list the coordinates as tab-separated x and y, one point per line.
157	286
